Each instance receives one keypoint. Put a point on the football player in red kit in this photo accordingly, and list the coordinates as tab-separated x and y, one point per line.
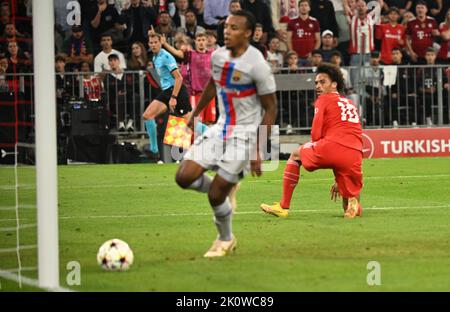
336	143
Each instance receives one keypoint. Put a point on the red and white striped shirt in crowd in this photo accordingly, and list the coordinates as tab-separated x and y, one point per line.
93	87
361	35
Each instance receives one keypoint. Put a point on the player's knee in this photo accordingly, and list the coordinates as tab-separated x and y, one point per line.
215	198
182	180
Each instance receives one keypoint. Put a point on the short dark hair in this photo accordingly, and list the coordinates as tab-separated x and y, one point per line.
250	19
259	25
396	49
113	57
106	34
211	32
375	54
316	51
191	11
164	12
431	49
60	58
421	2
334	73
393	9
336	53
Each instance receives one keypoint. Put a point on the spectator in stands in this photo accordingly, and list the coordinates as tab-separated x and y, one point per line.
4	85
191	28
292	61
391	34
179	18
274	56
427	89
12	34
336	59
256	40
401	5
211	39
62	27
279	25
235	5
434	7
92	84
199	71
138	58
18	61
65	84
199	7
420	33
106	19
116	85
303	33
324	12
101	62
138	18
316	58
400	95
261	11
407	16
327	48
165	26
343	36
78	49
215	12
5	16
373	83
361	39
444	29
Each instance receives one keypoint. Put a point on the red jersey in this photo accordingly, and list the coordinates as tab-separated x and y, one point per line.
444	51
93	87
336	119
303	35
389	36
421	34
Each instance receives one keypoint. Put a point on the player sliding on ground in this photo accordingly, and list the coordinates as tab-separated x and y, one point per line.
245	87
336	143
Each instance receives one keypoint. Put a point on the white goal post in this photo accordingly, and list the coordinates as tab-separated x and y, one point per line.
45	124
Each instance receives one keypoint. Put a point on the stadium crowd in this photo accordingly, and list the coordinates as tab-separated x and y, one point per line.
291	34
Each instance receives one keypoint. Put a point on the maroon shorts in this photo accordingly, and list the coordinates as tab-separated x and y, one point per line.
346	164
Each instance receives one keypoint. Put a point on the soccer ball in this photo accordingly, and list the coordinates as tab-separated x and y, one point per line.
115	255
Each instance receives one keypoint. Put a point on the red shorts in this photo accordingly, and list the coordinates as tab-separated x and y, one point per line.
346	164
208	115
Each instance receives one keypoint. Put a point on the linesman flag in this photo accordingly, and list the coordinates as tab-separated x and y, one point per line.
177	132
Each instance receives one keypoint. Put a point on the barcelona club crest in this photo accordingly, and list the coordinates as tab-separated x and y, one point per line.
236	76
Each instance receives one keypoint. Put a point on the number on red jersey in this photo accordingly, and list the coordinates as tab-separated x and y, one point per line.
348	111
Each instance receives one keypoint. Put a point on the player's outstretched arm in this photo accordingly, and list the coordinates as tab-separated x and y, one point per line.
208	94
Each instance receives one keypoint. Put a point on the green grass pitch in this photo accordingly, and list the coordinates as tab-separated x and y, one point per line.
405	227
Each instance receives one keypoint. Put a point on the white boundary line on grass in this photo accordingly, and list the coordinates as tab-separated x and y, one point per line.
32	186
241	212
29	281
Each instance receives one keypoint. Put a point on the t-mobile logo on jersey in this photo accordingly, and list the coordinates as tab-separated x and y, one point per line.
300	33
420	35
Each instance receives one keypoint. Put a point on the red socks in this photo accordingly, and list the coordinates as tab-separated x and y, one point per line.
290	181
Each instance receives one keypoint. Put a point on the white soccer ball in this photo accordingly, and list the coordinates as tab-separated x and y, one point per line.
115	255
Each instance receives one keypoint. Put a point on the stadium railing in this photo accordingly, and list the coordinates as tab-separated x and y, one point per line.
387	96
